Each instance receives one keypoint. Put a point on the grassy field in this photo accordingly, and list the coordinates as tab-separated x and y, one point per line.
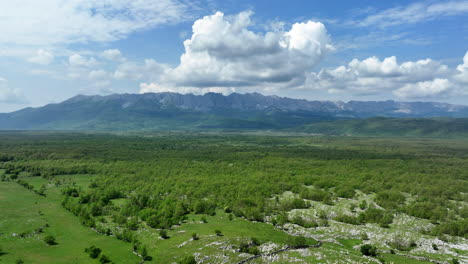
23	211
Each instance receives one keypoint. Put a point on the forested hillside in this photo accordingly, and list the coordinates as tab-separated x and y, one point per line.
381	126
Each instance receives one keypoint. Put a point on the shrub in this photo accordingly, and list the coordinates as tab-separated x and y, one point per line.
297	241
345	192
50	240
363	205
93	251
144	253
254	241
401	244
195	236
349	219
369	250
390	199
374	215
104	259
364	236
254	250
303	222
188	260
218	232
163	234
153	221
313	194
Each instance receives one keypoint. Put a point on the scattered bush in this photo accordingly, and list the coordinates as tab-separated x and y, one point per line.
50	240
369	250
104	259
297	241
163	234
188	260
93	251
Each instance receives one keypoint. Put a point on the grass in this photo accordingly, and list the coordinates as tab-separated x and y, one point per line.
20	213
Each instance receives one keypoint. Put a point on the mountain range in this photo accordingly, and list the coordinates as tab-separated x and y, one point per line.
173	111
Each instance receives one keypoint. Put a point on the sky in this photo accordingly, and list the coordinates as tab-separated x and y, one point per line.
51	50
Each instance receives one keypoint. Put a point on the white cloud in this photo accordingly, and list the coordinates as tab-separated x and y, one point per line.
149	69
51	22
98	75
436	87
415	13
9	95
154	88
76	60
113	55
409	80
462	71
224	52
43	57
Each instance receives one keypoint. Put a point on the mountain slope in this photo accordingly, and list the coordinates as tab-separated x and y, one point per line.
170	111
381	126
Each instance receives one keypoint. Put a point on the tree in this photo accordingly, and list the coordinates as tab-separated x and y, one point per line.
218	232
50	240
195	236
369	250
19	261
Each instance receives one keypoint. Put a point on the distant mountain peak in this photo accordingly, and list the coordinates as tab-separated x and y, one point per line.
212	110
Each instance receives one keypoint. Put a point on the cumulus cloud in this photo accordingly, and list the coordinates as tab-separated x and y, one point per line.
408	80
462	71
43	57
436	87
113	55
9	95
63	22
224	53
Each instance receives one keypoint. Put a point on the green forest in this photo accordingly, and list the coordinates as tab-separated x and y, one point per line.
231	197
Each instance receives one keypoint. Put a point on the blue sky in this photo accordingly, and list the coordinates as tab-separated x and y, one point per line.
51	50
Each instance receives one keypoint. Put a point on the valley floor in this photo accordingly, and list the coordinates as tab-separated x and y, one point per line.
32	207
